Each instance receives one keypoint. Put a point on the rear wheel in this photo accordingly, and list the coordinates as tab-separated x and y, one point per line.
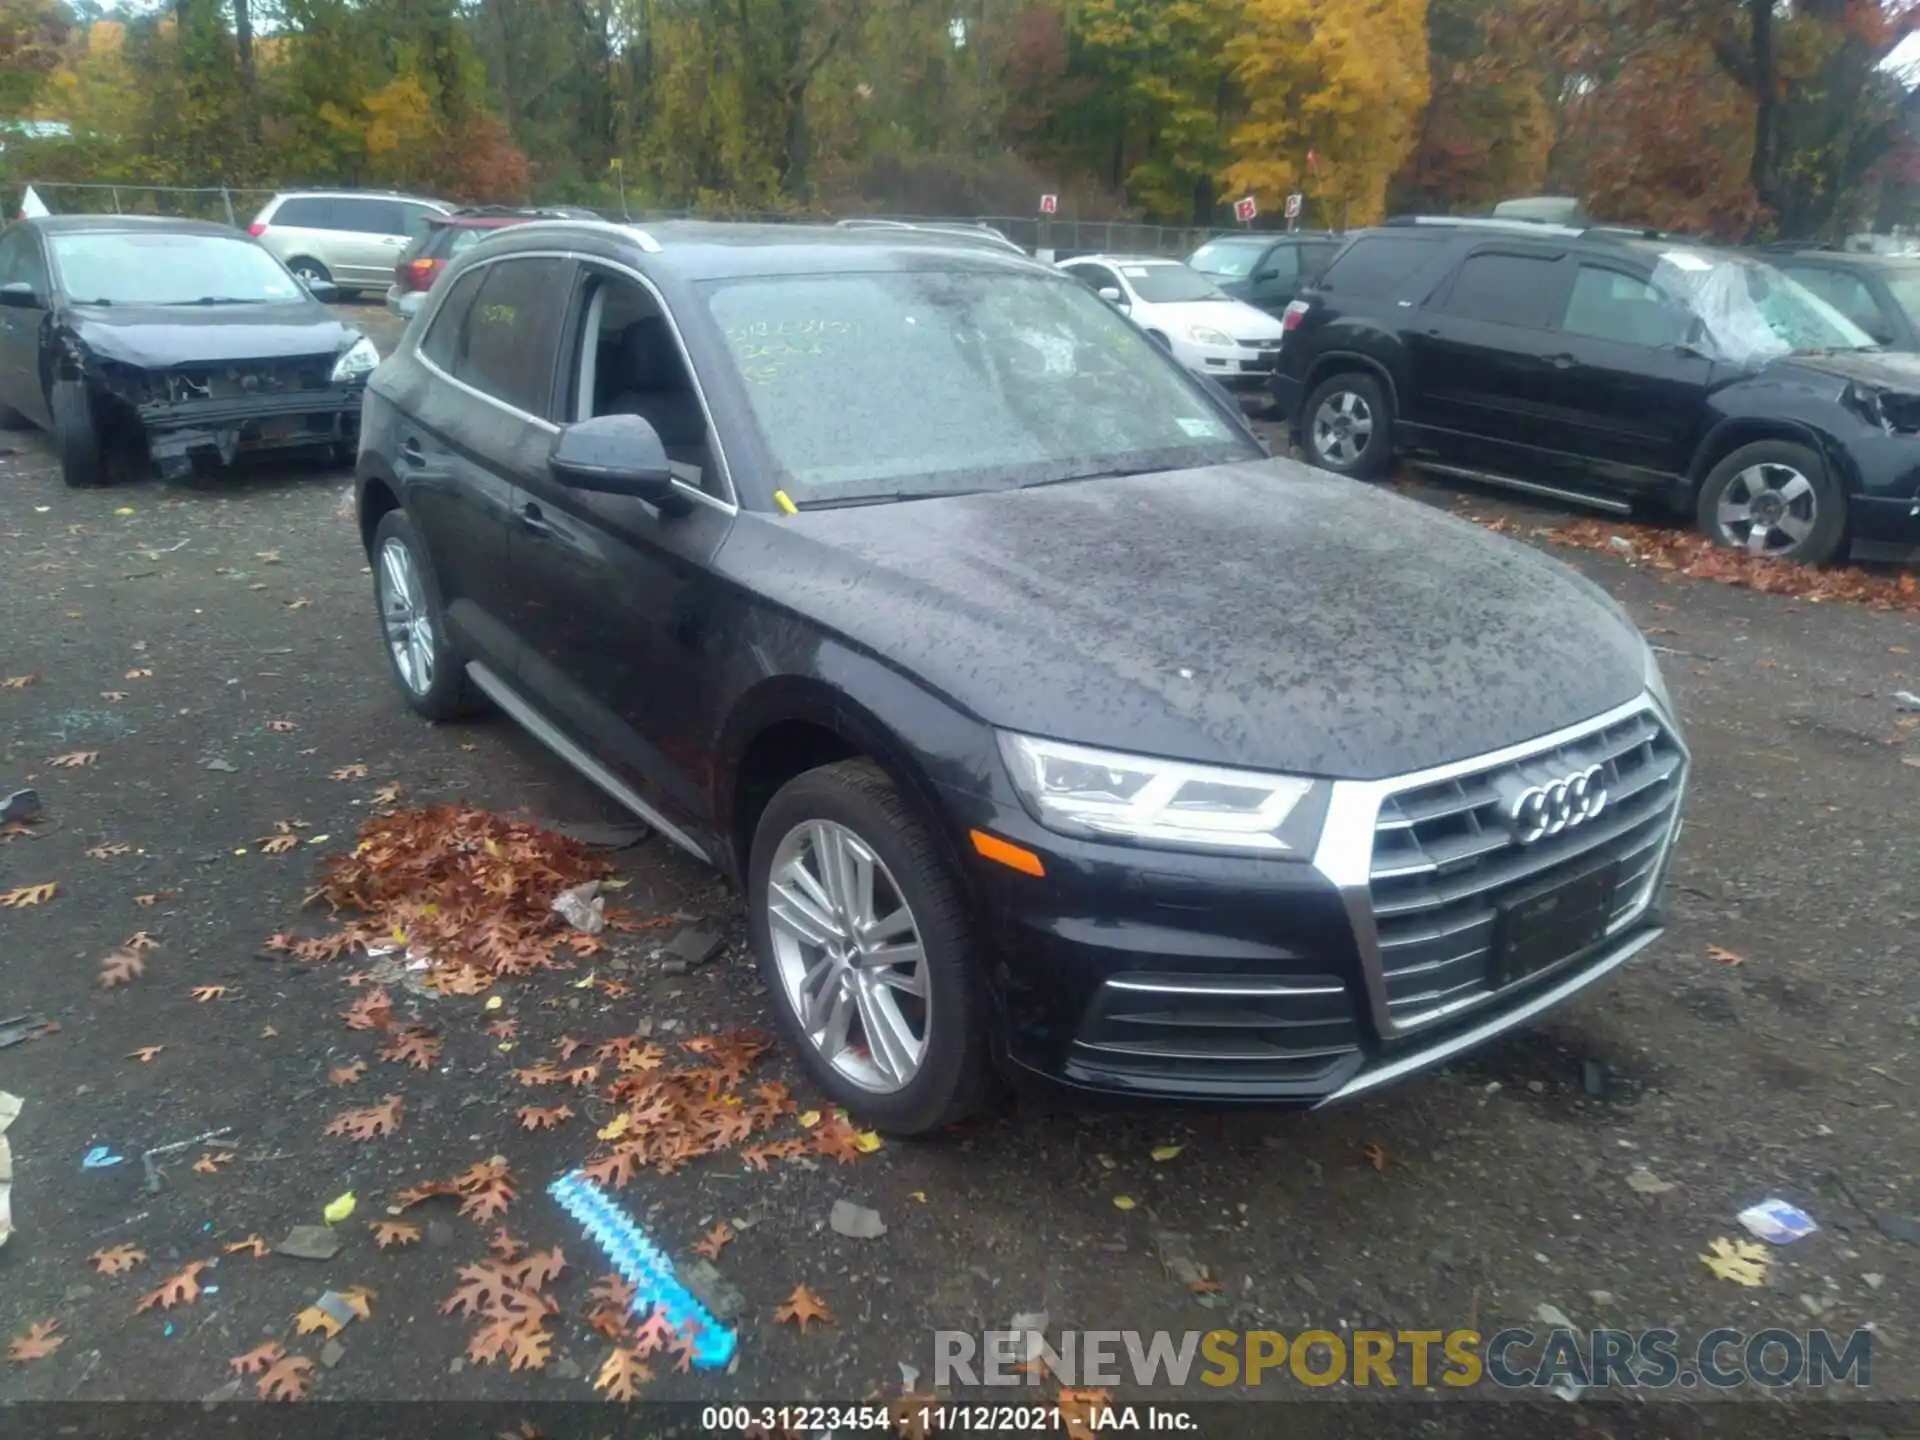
76	435
864	938
1775	499
413	626
1348	426
310	270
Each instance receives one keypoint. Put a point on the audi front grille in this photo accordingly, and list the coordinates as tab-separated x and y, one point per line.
1586	818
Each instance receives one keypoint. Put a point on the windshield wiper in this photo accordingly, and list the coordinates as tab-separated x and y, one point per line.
885	497
219	300
1118	472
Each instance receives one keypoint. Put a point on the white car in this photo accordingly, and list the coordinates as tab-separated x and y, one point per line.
1207	330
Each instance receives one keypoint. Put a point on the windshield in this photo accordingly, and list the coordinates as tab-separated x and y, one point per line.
1749	312
891	385
1170	284
1905	288
167	268
1229	259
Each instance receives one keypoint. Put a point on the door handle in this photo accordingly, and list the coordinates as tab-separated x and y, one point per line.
533	520
1562	362
411	453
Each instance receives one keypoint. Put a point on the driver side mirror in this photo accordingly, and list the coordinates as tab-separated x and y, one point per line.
18	295
1113	297
614	455
1260	277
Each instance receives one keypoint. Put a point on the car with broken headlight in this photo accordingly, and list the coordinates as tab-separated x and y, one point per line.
170	341
1049	726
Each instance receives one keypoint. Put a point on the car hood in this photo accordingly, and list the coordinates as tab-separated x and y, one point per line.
156	337
1235	317
1882	369
1257	614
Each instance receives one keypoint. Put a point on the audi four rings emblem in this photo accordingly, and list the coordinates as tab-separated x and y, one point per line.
1542	810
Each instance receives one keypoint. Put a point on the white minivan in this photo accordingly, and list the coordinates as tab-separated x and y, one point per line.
350	238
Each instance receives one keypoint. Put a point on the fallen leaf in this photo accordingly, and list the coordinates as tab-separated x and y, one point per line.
1164	1153
1204	1285
277	844
148	901
108	851
19	682
336	1210
372	1011
113	697
286	1379
27	895
418	1048
388	794
257	1359
802	1306
74	759
613	1291
139	674
282	727
349	772
393	1232
1123	1202
1742	1261
122	967
370	1123
532	1117
615	1127
359	1300
145	1053
314	1318
621	1375
1375	1154
140	940
205	993
181	1289
1724	956
713	1241
210	1164
117	1259
253	1245
267	1032
37	1344
347	1074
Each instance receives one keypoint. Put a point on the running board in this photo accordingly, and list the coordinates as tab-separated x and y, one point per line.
536	725
1572	497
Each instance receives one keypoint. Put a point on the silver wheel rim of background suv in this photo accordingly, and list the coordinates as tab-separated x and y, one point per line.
849	955
404	618
1343	427
1777	506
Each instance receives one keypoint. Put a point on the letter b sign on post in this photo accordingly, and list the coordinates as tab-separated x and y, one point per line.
1245	209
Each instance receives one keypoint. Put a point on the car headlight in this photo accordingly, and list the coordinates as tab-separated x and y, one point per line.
1657	686
1207	335
358	360
1170	804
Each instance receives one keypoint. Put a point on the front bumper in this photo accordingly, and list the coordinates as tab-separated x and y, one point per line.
1245	366
1161	975
228	426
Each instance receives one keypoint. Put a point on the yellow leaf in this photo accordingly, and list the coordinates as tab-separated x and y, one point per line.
919	1197
1123	1202
809	1119
338	1209
866	1141
1164	1153
1741	1261
126	510
494	1002
617	1127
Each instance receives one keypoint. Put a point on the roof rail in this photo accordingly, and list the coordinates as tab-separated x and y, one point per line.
1513	225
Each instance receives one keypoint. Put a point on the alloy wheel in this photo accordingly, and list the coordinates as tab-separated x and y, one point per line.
1768	509
405	618
849	955
1343	427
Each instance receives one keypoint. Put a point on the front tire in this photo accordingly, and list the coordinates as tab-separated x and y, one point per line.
865	940
76	436
1776	500
1347	426
310	270
430	673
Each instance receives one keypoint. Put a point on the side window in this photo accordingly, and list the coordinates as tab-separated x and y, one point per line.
1098	278
369	217
414	219
1379	265
307	212
441	343
14	245
1314	258
1844	292
1612	305
512	331
630	363
1507	289
1282	264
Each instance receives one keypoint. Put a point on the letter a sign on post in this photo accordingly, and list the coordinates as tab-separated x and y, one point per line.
1245	209
1049	204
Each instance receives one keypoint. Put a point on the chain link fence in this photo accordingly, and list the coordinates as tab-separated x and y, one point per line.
237	205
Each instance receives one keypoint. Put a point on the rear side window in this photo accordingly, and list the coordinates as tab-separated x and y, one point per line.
511	332
441	343
1378	265
20	261
1507	290
308	211
368	217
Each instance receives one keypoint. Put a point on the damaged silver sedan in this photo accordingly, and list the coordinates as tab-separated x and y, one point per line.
175	341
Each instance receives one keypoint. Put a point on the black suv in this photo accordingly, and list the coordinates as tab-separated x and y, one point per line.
1879	293
1615	368
1040	715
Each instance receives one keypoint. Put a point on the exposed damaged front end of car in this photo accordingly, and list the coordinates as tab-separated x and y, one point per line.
234	408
